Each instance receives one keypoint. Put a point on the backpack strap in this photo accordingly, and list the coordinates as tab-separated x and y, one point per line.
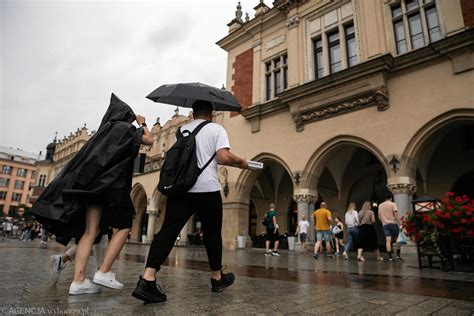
198	128
180	135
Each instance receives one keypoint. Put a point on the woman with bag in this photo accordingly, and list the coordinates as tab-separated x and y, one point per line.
338	232
367	237
352	222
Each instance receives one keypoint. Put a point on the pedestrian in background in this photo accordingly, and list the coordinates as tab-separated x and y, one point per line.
367	237
352	222
322	221
388	215
272	234
338	231
302	230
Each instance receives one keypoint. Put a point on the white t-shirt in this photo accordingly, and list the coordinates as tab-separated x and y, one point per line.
209	140
303	226
352	218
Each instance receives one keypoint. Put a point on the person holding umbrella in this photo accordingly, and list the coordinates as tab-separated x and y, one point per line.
203	198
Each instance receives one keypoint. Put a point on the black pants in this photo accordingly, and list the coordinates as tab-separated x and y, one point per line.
208	206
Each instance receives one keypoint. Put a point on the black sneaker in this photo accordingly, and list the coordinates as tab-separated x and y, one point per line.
148	292
315	256
226	280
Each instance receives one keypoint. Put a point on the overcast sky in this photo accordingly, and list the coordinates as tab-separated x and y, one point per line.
60	60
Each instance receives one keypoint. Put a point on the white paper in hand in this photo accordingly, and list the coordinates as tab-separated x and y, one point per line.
254	165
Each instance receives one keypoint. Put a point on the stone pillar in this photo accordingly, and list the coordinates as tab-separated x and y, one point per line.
306	207
294	63
150	230
235	222
402	193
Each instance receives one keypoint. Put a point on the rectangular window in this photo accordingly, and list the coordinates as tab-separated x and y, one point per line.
268	86
7	170
21	172
351	45
42	180
416	31
33	174
276	76
433	24
16	197
335	62
318	58
3	195
411	14
4	182
19	184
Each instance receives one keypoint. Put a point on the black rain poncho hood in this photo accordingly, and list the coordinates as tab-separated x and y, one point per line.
99	174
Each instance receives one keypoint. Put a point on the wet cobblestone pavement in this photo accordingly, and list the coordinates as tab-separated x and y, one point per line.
293	284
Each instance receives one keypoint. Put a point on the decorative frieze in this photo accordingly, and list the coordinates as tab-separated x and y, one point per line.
287	5
275	42
305	198
378	97
402	188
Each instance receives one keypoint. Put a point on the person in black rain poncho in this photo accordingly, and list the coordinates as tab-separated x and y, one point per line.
92	193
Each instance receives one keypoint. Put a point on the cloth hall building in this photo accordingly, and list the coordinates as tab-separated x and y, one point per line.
342	101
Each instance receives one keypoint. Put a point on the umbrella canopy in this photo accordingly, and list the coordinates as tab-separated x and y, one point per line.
184	94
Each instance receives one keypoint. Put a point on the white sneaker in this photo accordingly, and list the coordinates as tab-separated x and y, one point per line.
57	265
107	279
84	287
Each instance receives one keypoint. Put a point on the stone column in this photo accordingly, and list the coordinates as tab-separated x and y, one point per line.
402	194
306	207
150	230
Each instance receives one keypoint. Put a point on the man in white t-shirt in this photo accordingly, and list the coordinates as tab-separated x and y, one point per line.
203	199
302	230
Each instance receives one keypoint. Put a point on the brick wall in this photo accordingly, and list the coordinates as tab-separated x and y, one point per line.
243	78
467	7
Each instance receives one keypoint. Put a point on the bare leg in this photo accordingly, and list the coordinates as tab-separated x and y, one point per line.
149	274
85	244
359	254
114	248
316	246
277	243
267	245
388	245
328	247
337	245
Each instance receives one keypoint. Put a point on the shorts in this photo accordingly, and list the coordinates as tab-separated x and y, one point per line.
323	235
391	230
271	235
303	237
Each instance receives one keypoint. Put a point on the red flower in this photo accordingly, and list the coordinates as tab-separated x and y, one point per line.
465	207
455	222
458	199
438	213
457	213
464	221
450	193
447	215
450	207
470	233
469	213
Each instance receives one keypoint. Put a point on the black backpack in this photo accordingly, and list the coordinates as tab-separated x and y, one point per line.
266	221
180	170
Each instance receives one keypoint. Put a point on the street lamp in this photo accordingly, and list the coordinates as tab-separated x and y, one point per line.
425	203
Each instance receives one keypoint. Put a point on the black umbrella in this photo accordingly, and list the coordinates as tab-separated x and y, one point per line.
184	94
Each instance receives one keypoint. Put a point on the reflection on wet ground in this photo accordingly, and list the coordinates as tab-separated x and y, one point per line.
408	285
293	284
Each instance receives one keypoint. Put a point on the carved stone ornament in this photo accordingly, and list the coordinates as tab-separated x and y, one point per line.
276	42
402	188
287	5
304	198
293	22
377	97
